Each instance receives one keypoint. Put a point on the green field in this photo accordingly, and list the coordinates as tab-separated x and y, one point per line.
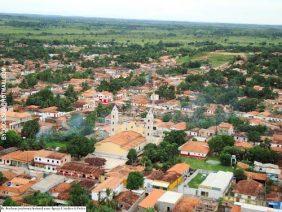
197	180
54	144
97	29
202	164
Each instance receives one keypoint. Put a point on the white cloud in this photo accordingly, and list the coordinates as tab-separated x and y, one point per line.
227	11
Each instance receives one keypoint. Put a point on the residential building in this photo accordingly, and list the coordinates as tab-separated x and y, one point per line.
248	191
80	171
168	201
187	204
150	200
273	171
114	184
49	160
225	129
215	185
48	182
194	149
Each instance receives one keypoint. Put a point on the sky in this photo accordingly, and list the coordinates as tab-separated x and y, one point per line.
220	11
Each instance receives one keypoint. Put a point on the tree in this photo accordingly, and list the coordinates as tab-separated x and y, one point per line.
9	202
166	117
246	104
78	196
71	93
239	174
13	139
39	199
217	143
2	178
166	92
253	136
30	128
132	156
80	146
175	136
135	180
225	159
261	154
10	99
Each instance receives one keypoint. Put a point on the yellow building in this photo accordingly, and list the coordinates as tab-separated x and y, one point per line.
168	180
119	144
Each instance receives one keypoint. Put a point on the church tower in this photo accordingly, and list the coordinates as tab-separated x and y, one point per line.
149	126
114	120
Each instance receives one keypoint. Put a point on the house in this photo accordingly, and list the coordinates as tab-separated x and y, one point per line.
193	132
276	143
16	187
168	180
248	191
168	201
240	137
180	168
243	145
242	165
244	207
50	112
225	129
216	184
273	172
150	200
18	158
211	110
48	182
260	177
139	100
126	201
123	171
114	184
187	204
211	131
104	97
80	171
160	180
119	144
60	193
19	117
195	149
49	160
15	120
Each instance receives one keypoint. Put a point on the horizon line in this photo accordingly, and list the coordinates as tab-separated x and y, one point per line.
137	19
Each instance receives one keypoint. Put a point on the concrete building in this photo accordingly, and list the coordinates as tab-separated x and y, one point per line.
48	182
215	185
168	201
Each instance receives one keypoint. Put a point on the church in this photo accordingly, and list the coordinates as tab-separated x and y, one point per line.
127	133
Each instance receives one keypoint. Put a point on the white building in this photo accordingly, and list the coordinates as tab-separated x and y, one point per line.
271	170
114	184
49	161
168	200
215	185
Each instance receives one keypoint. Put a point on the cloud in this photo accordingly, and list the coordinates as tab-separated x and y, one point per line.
225	11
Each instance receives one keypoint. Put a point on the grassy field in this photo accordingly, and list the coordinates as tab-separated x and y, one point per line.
92	29
197	180
202	164
54	144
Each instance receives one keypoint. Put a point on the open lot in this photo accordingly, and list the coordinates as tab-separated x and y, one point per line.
202	164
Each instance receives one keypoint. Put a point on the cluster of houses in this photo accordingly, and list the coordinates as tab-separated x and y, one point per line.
171	190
